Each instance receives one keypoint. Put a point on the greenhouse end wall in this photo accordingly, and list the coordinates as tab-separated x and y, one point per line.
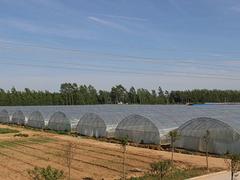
4	117
36	120
59	122
221	137
18	118
138	129
92	125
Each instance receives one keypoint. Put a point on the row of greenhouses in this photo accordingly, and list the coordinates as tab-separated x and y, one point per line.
148	124
58	120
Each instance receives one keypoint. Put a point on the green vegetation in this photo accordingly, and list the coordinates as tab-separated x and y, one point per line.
41	140
174	173
174	135
73	94
165	170
57	132
87	178
124	143
7	130
233	162
35	140
160	169
21	135
48	173
4	144
49	130
68	155
206	139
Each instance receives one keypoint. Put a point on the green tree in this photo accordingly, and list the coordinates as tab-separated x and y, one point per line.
124	143
174	135
166	93
69	156
119	94
132	96
206	139
3	98
83	94
104	97
64	89
153	97
74	94
92	95
161	96
144	96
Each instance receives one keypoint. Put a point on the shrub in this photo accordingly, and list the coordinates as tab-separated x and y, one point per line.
160	168
174	174
48	173
88	178
21	135
233	162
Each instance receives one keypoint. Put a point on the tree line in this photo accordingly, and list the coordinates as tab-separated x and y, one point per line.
74	94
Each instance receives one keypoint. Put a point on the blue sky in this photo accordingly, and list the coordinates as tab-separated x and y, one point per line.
178	44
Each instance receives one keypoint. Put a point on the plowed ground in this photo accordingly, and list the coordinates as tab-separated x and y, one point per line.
92	158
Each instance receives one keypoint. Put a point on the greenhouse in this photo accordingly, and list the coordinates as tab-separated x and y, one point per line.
222	138
36	120
4	116
138	129
143	123
91	124
59	122
18	118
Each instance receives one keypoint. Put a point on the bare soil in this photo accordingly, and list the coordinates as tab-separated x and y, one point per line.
92	158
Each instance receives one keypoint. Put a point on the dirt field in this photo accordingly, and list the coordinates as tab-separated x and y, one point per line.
95	159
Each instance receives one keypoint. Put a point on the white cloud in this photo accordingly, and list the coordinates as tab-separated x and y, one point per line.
175	4
235	8
108	23
232	63
27	26
107	80
128	18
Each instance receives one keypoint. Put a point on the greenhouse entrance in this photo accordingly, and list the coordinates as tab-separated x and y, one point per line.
138	129
92	125
221	137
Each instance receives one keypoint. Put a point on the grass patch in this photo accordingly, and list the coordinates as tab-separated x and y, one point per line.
33	129
187	173
14	143
41	140
4	144
176	174
7	130
57	132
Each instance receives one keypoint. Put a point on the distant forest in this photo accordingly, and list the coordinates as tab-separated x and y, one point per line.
74	94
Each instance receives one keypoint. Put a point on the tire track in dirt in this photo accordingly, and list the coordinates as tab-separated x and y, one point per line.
113	149
130	164
45	159
143	164
10	169
111	152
